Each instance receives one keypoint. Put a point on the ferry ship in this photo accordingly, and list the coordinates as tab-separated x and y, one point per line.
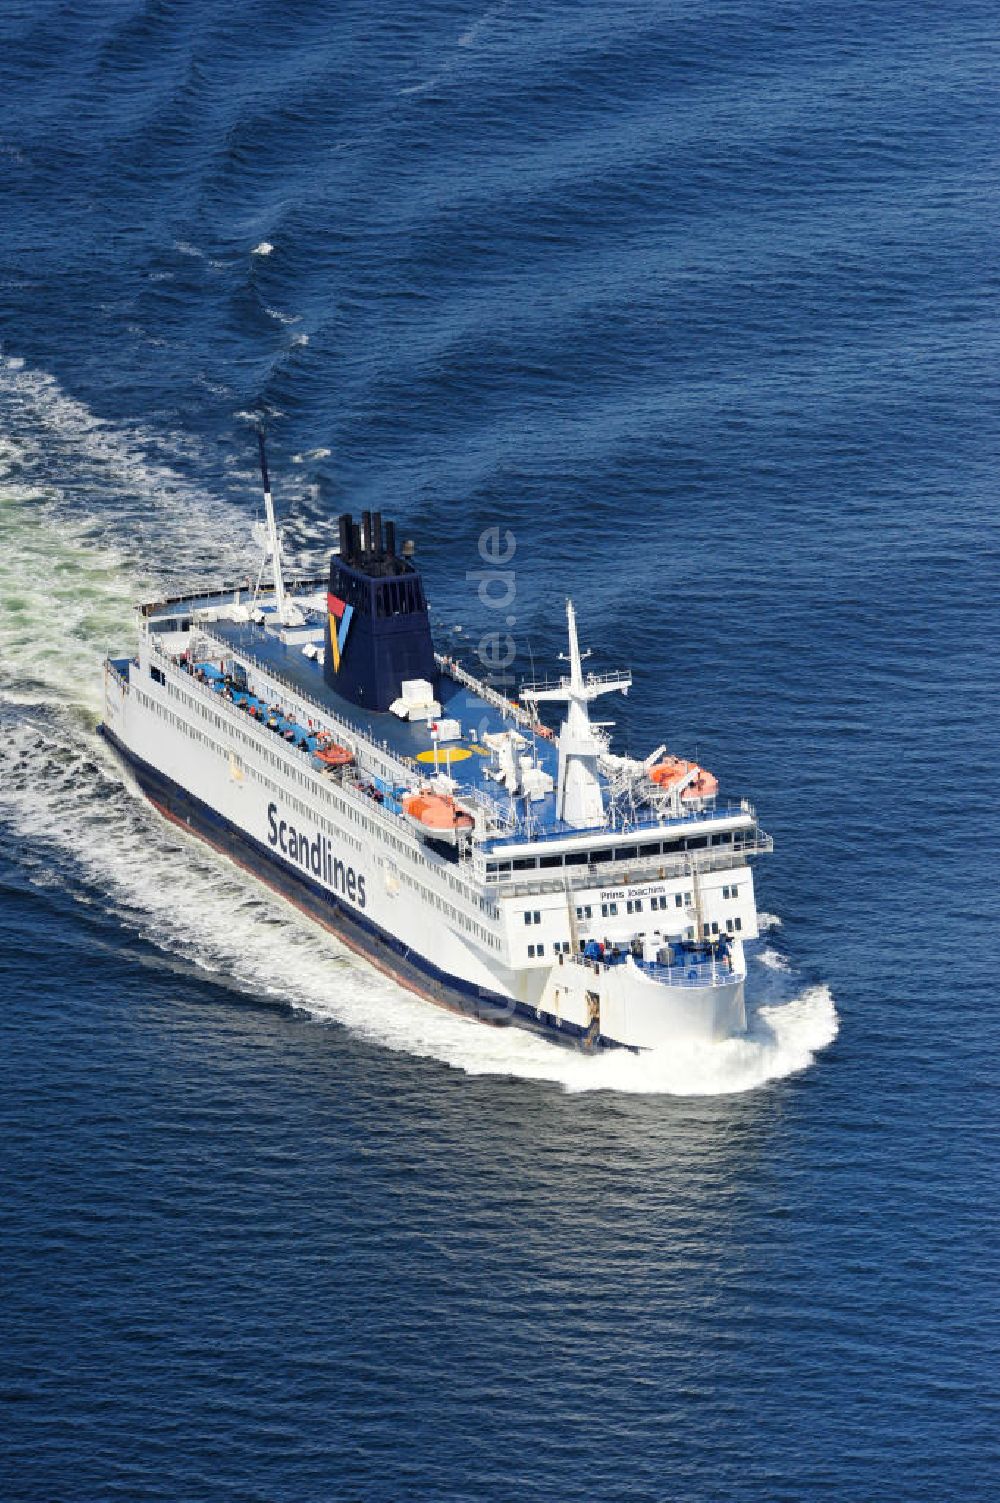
308	730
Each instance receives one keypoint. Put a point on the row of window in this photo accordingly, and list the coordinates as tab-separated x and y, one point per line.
307	779
305	776
635	905
561	947
641	852
660	901
288	770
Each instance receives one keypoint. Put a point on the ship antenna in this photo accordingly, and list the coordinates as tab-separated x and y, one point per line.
534	715
273	541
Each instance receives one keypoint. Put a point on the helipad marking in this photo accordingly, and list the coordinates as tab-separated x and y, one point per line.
445	754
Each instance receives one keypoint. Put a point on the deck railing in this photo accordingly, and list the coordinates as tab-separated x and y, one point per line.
710	973
264	739
633	830
116	673
627	873
609	680
217	589
492	696
396	769
466	888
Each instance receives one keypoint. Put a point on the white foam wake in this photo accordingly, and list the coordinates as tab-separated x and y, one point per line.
311	454
774	959
118	486
63	602
281	317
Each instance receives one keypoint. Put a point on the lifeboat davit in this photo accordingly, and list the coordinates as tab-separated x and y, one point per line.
673	770
437	813
332	755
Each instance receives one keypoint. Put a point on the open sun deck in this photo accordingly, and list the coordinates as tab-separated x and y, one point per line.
478	714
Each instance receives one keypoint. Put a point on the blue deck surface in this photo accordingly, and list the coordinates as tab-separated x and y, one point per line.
413	741
406	739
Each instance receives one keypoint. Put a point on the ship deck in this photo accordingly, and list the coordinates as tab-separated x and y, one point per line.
466	760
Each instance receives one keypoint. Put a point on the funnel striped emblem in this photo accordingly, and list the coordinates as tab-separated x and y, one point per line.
340	622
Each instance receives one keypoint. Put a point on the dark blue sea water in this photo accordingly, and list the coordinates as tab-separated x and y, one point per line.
699	300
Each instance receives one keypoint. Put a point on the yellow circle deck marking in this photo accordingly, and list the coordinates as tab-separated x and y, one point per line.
445	753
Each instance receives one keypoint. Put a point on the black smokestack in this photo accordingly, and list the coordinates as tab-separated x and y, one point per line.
345	536
366	532
377	533
390	540
355	542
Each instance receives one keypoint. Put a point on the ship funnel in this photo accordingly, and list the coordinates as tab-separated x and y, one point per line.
378	633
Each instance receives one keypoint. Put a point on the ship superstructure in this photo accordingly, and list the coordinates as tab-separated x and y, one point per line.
309	731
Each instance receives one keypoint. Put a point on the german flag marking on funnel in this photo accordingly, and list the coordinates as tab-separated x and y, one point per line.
340	623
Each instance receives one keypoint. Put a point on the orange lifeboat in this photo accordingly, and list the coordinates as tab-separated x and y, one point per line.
705	785
332	755
672	770
437	812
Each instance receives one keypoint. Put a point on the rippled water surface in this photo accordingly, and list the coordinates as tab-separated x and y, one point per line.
698	300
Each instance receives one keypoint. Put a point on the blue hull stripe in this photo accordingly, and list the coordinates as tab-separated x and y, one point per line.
358	932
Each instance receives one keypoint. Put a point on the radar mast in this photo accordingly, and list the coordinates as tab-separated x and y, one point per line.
579	797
